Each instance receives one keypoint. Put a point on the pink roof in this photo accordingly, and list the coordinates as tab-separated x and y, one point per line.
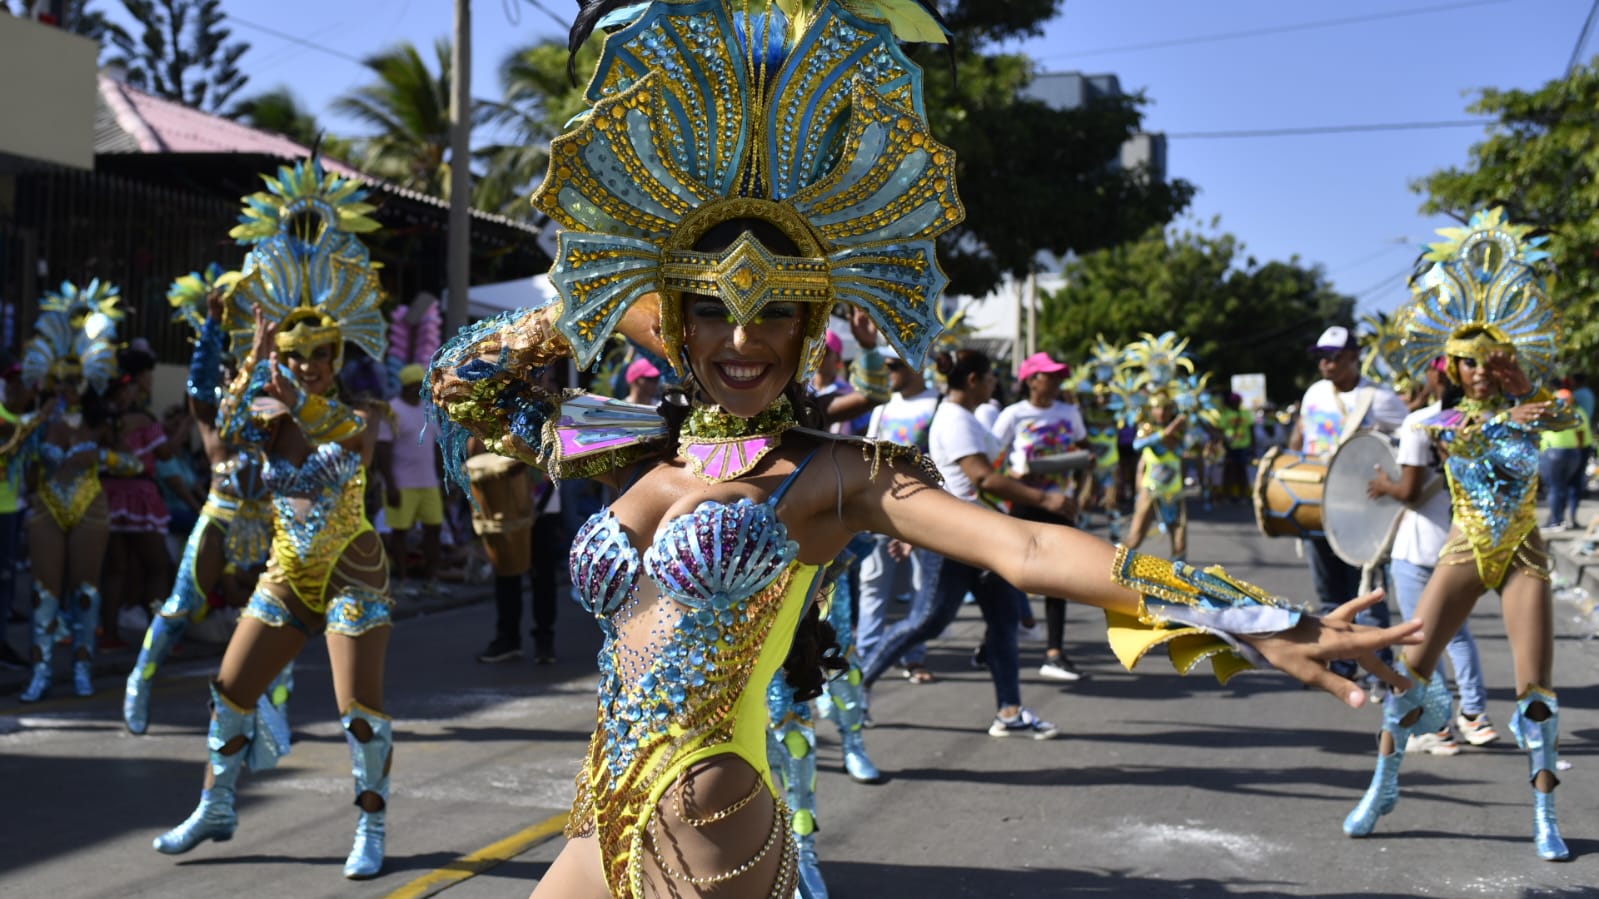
164	126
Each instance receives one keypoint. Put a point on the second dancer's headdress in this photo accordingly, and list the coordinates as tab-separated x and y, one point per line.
806	116
75	333
306	269
1483	294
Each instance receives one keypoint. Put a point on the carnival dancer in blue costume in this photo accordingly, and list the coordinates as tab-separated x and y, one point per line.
307	287
234	531
68	523
1483	304
739	173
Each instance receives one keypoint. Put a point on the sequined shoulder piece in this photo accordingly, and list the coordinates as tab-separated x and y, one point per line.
589	435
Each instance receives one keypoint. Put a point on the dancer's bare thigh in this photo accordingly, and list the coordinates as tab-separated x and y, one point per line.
577	873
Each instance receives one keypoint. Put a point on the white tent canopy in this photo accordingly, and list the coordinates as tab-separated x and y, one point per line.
484	300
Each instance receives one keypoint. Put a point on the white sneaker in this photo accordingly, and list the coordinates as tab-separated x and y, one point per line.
1478	731
1025	724
1440	743
1059	668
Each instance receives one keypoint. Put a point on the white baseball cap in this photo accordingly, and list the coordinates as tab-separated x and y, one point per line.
1336	337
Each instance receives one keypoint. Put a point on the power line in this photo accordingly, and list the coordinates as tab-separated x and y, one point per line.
1275	29
1329	129
295	40
1582	38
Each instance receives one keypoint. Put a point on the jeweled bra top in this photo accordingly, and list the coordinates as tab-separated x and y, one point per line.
325	479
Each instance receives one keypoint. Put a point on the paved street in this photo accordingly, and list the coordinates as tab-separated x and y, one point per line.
1159	785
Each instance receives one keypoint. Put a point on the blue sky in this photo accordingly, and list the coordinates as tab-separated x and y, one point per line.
1341	200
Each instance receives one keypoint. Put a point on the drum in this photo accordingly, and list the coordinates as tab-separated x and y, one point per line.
502	513
1358	527
1071	460
1288	489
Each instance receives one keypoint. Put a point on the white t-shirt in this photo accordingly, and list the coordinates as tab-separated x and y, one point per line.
1422	531
905	419
1321	413
1030	431
988	413
412	457
956	433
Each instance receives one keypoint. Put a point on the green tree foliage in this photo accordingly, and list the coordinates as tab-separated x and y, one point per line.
408	106
1031	177
1541	160
184	52
93	24
279	111
1241	316
537	100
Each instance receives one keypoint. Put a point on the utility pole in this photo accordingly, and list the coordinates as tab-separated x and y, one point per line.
458	264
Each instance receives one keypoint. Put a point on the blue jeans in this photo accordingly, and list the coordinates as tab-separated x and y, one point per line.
1001	607
1337	582
881	578
1563	469
1409	581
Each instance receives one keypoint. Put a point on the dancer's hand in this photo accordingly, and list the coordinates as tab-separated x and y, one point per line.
1530	413
266	332
1507	373
1304	651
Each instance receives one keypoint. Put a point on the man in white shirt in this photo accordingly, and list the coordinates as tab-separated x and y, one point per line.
410	471
1423	528
905	420
1333	408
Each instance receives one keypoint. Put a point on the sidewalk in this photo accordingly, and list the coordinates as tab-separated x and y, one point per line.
118	662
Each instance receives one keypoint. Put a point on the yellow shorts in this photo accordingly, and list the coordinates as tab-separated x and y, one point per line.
423	505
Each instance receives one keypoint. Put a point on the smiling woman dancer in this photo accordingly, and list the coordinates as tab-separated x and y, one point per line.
1483	305
750	171
307	287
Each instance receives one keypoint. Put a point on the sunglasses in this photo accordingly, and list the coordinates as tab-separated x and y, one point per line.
1327	355
893	364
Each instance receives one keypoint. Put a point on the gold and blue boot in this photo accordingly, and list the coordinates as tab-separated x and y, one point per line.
163	634
1541	739
214	818
43	631
371	738
1429	703
85	617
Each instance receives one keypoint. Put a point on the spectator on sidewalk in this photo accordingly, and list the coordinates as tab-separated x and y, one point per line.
1563	455
17	399
410	468
643	382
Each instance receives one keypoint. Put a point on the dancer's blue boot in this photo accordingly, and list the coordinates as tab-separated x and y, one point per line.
214	818
85	617
164	633
43	631
1430	703
1541	739
848	710
370	759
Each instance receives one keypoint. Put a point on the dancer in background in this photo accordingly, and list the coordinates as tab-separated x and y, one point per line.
234	532
1483	306
307	288
68	523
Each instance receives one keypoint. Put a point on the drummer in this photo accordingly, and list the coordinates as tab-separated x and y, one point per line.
1332	410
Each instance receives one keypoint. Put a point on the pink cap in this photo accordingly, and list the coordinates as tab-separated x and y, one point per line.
641	368
1041	363
835	343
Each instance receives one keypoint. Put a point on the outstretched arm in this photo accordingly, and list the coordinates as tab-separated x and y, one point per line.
1060	561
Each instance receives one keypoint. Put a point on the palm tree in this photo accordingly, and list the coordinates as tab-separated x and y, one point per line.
409	106
538	101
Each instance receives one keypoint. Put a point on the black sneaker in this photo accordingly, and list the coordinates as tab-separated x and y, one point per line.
544	654
500	651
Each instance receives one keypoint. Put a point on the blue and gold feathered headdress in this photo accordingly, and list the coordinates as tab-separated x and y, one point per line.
1482	294
75	326
804	115
188	293
306	269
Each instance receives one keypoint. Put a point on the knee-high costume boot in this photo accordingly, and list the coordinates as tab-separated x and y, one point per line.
369	761
214	818
86	617
1541	739
791	751
843	697
164	633
1432	699
43	631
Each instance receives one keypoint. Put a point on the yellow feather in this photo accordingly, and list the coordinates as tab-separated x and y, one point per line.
909	19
